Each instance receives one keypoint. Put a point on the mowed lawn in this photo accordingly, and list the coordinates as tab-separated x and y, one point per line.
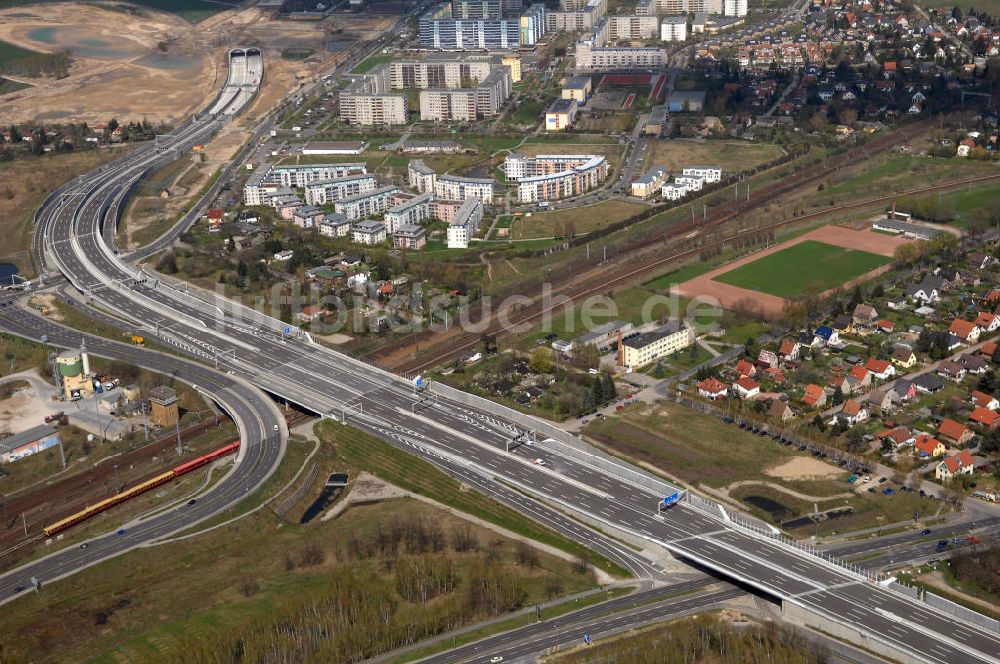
786	273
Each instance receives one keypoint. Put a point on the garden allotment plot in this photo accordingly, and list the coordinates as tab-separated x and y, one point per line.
786	273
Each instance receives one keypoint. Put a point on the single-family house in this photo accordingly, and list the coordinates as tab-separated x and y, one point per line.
980	261
712	388
746	388
988	322
886	399
959	464
953	431
814	396
951	370
985	417
885	326
967	331
925	292
880	369
927	383
745	368
788	350
928	446
780	410
903	357
843	324
974	364
983	400
851	413
864	316
311	313
898	437
826	335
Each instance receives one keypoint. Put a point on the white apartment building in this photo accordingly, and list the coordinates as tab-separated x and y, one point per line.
465	224
709	173
607	58
456	188
367	204
409	212
672	191
301	175
335	225
633	28
368	232
734	7
551	177
645	348
692	182
324	192
367	101
438	73
419	176
675	7
467	104
674	28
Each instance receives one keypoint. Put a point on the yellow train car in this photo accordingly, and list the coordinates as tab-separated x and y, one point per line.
107	503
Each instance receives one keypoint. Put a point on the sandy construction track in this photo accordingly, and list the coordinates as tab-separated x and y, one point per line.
734	297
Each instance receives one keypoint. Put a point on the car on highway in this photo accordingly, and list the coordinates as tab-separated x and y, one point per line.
120	532
192	501
84	545
925	531
496	660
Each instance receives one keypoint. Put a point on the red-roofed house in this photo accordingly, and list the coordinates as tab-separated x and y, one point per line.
960	464
988	322
814	396
899	437
851	413
928	446
712	388
881	369
988	348
954	431
745	368
788	350
310	313
985	417
965	330
886	326
983	400
746	388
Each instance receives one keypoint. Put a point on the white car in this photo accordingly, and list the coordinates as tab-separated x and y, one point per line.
867	479
539	462
496	659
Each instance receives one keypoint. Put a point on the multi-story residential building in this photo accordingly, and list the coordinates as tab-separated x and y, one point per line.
551	177
409	236
734	7
577	88
673	191
651	346
476	8
408	212
335	225
576	15
512	62
286	205
440	30
692	182
307	216
456	188
674	28
463	227
367	101
367	204
301	175
674	7
420	176
633	28
709	173
560	114
534	25
511	7
438	73
649	183
445	210
467	104
324	192
608	58
368	232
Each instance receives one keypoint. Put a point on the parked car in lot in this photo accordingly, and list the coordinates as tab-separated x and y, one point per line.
887	491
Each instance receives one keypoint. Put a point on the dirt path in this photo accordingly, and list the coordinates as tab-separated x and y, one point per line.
936	580
784	489
735	297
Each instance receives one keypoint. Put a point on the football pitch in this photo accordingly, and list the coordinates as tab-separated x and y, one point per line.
786	273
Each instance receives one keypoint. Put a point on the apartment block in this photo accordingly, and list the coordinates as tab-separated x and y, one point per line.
457	188
534	25
476	9
633	28
576	16
423	74
551	177
645	348
467	104
675	7
674	28
439	30
367	204
409	236
368	232
368	101
323	192
419	176
463	227
709	173
617	58
409	212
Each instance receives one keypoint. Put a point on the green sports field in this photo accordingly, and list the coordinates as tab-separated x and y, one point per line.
786	273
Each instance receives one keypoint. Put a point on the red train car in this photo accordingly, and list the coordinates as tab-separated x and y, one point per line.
206	459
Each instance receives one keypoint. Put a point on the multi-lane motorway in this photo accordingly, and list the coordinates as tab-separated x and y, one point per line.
468	441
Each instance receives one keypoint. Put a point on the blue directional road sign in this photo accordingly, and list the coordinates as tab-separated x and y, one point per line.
418	381
288	330
672	498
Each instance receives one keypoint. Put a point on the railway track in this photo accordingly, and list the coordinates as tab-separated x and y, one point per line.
460	345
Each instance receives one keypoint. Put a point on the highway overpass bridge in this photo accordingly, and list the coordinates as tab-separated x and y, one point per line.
466	436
